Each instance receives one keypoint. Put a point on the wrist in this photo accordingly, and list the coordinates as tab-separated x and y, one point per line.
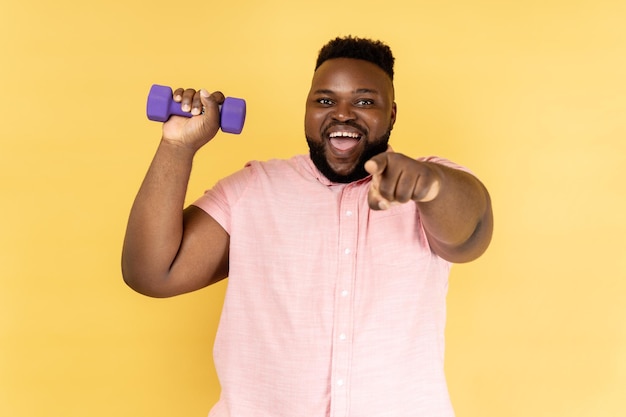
177	149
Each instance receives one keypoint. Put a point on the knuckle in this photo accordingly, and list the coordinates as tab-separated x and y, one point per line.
386	190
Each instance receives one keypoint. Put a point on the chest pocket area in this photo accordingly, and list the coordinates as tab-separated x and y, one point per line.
395	237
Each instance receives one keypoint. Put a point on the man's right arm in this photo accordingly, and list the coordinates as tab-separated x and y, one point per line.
167	250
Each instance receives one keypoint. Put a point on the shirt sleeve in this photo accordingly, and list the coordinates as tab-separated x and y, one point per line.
219	200
445	162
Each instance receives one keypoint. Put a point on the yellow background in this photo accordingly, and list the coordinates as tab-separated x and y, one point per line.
531	95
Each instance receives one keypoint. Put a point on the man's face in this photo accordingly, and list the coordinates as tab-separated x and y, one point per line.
349	115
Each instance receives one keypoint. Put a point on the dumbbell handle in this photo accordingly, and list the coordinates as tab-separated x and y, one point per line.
175	109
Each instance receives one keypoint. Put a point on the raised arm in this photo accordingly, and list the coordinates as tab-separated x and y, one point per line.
167	250
454	205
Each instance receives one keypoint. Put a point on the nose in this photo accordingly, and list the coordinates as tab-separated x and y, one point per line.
343	111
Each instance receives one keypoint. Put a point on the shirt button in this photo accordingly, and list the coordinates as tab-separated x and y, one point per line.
344	293
349	213
347	251
342	336
340	382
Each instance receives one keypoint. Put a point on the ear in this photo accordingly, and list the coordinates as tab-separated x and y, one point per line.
394	112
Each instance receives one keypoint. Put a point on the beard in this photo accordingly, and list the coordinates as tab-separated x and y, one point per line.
316	151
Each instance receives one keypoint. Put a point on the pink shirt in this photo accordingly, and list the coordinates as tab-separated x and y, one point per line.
332	309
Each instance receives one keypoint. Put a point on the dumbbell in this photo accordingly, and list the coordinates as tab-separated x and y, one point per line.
161	106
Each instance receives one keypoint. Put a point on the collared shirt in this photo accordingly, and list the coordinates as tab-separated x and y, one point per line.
332	309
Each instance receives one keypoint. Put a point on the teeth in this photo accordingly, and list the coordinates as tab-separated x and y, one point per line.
344	135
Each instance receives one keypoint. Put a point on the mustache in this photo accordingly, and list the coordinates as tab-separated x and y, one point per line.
362	130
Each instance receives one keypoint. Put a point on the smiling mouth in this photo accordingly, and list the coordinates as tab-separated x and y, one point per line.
344	141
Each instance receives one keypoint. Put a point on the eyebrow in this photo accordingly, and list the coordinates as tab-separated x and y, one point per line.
357	91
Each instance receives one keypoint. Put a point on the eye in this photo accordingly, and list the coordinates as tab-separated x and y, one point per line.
325	101
364	102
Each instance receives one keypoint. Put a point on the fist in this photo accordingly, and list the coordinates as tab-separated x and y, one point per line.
200	129
397	179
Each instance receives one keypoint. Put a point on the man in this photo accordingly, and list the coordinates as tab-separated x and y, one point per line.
337	261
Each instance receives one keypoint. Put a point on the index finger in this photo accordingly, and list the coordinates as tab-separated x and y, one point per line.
177	95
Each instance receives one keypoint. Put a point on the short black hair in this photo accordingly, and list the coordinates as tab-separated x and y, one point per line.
370	50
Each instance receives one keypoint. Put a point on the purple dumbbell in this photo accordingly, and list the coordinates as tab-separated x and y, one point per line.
161	106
